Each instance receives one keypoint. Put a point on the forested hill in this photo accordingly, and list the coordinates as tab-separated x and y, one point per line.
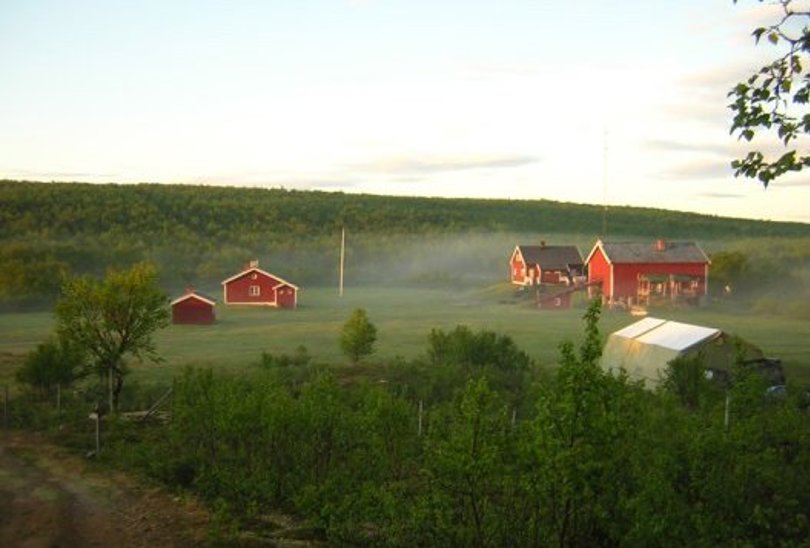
154	212
200	234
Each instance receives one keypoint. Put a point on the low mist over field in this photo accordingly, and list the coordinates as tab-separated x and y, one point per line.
201	235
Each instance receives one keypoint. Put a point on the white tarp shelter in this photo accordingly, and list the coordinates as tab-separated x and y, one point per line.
645	348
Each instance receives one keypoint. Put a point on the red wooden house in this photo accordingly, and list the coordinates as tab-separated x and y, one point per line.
254	286
545	264
193	308
638	273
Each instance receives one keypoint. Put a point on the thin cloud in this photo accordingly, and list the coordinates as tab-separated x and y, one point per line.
720	195
701	169
668	145
793	181
399	166
57	175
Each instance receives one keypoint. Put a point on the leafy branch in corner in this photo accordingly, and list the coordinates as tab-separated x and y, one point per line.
775	98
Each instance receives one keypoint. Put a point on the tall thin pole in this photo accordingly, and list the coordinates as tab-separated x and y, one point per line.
342	257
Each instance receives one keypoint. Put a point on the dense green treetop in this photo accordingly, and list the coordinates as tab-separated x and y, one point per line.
216	215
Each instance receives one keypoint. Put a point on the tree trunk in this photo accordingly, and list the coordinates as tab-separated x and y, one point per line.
117	386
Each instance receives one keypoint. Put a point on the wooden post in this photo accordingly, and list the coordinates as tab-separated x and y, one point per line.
59	399
725	414
5	407
110	388
514	416
98	434
419	429
342	258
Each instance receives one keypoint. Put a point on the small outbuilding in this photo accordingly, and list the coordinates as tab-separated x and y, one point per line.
193	308
256	287
645	348
531	265
648	272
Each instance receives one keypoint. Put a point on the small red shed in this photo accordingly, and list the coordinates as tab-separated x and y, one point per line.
545	264
253	286
556	301
635	273
193	308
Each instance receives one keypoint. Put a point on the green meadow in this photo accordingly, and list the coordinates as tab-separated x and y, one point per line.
404	317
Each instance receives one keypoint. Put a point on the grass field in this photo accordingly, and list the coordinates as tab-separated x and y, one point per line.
404	317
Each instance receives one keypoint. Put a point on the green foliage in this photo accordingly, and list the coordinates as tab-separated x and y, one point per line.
112	318
598	460
583	432
475	350
358	336
468	463
775	98
685	378
300	358
729	269
30	273
53	362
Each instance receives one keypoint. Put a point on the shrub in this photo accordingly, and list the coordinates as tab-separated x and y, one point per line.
49	364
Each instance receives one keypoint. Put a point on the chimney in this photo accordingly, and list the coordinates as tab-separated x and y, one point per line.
253	263
189	290
660	245
542	243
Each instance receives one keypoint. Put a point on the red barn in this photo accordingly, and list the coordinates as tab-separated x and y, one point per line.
254	286
545	264
193	308
636	273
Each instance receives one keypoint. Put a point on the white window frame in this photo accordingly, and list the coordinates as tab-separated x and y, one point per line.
254	290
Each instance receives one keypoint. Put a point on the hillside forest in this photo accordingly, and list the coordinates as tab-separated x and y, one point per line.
200	235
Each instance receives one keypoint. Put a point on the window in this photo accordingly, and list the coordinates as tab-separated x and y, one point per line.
254	290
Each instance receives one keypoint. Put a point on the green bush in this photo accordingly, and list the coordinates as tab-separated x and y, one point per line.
53	362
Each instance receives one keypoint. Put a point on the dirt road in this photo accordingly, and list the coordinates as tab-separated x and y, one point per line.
50	498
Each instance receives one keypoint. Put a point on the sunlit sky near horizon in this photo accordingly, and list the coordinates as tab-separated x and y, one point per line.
587	101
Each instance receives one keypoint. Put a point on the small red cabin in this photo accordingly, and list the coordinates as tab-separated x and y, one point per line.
545	264
193	308
557	301
254	286
636	273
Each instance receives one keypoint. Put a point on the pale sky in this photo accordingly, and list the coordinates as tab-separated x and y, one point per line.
585	101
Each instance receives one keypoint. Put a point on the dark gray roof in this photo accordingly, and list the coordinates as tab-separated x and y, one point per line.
551	257
647	252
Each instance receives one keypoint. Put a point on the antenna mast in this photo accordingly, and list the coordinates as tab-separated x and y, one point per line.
604	180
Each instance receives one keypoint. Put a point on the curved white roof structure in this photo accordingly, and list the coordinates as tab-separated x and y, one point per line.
645	348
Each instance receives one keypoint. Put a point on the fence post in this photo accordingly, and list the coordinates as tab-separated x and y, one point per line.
59	400
419	431
5	407
98	434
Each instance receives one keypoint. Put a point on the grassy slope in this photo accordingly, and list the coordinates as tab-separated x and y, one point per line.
403	317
